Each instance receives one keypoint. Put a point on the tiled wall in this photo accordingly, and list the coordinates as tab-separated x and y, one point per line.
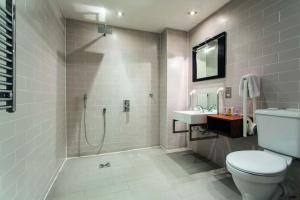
173	86
33	140
124	65
163	117
263	39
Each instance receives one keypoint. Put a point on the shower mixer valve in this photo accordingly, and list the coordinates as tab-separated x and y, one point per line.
126	105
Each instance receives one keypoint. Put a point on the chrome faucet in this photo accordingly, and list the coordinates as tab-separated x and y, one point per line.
200	107
211	108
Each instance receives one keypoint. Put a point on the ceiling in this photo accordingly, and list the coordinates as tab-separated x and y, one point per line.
147	15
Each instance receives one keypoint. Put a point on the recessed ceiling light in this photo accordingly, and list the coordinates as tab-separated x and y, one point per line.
192	12
120	14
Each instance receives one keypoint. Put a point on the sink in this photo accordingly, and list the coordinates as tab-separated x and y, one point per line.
192	116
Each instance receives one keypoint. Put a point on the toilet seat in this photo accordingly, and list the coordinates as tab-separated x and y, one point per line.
257	163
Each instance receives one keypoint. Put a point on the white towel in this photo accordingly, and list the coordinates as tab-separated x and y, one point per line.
253	85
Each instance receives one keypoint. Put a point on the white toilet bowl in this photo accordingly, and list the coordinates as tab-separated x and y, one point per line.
257	174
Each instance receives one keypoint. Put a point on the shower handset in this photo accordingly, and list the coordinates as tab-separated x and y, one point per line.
100	145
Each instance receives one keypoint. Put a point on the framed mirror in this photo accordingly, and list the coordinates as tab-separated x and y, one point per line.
209	59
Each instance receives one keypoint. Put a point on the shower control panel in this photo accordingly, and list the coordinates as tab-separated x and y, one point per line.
126	105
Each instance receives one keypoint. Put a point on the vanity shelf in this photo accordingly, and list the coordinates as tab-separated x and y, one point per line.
230	126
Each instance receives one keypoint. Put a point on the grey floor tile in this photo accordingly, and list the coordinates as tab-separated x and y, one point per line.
143	174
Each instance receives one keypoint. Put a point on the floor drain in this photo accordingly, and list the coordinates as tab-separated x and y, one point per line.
104	165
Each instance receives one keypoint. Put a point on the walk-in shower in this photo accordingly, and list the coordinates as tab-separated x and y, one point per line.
122	66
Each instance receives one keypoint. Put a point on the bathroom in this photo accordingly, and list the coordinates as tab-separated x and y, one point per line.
105	99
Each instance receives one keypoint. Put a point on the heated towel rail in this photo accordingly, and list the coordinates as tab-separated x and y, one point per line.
8	56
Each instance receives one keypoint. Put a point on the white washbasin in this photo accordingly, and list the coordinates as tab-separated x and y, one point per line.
192	116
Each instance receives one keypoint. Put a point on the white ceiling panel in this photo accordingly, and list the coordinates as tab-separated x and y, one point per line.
147	15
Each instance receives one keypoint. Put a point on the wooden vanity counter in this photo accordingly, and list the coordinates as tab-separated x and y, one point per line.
230	126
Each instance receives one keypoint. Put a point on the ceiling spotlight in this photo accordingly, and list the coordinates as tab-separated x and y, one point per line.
120	14
192	12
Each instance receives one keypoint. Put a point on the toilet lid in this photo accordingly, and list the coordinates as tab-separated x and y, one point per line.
257	162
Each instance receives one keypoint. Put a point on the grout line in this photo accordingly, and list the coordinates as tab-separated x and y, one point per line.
176	150
53	179
111	153
65	90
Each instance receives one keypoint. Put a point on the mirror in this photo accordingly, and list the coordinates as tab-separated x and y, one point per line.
209	59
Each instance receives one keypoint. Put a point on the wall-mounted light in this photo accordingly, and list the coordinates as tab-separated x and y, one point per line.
192	12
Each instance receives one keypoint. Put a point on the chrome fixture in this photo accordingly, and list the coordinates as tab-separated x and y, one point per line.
104	165
208	108
8	56
100	145
201	108
126	105
85	100
211	108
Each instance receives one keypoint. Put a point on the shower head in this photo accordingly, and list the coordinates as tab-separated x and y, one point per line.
105	29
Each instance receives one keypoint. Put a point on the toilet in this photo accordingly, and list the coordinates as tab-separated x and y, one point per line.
257	174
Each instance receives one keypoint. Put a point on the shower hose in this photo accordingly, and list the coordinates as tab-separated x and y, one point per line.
99	146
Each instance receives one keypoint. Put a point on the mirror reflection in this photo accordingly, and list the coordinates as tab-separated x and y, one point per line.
207	60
